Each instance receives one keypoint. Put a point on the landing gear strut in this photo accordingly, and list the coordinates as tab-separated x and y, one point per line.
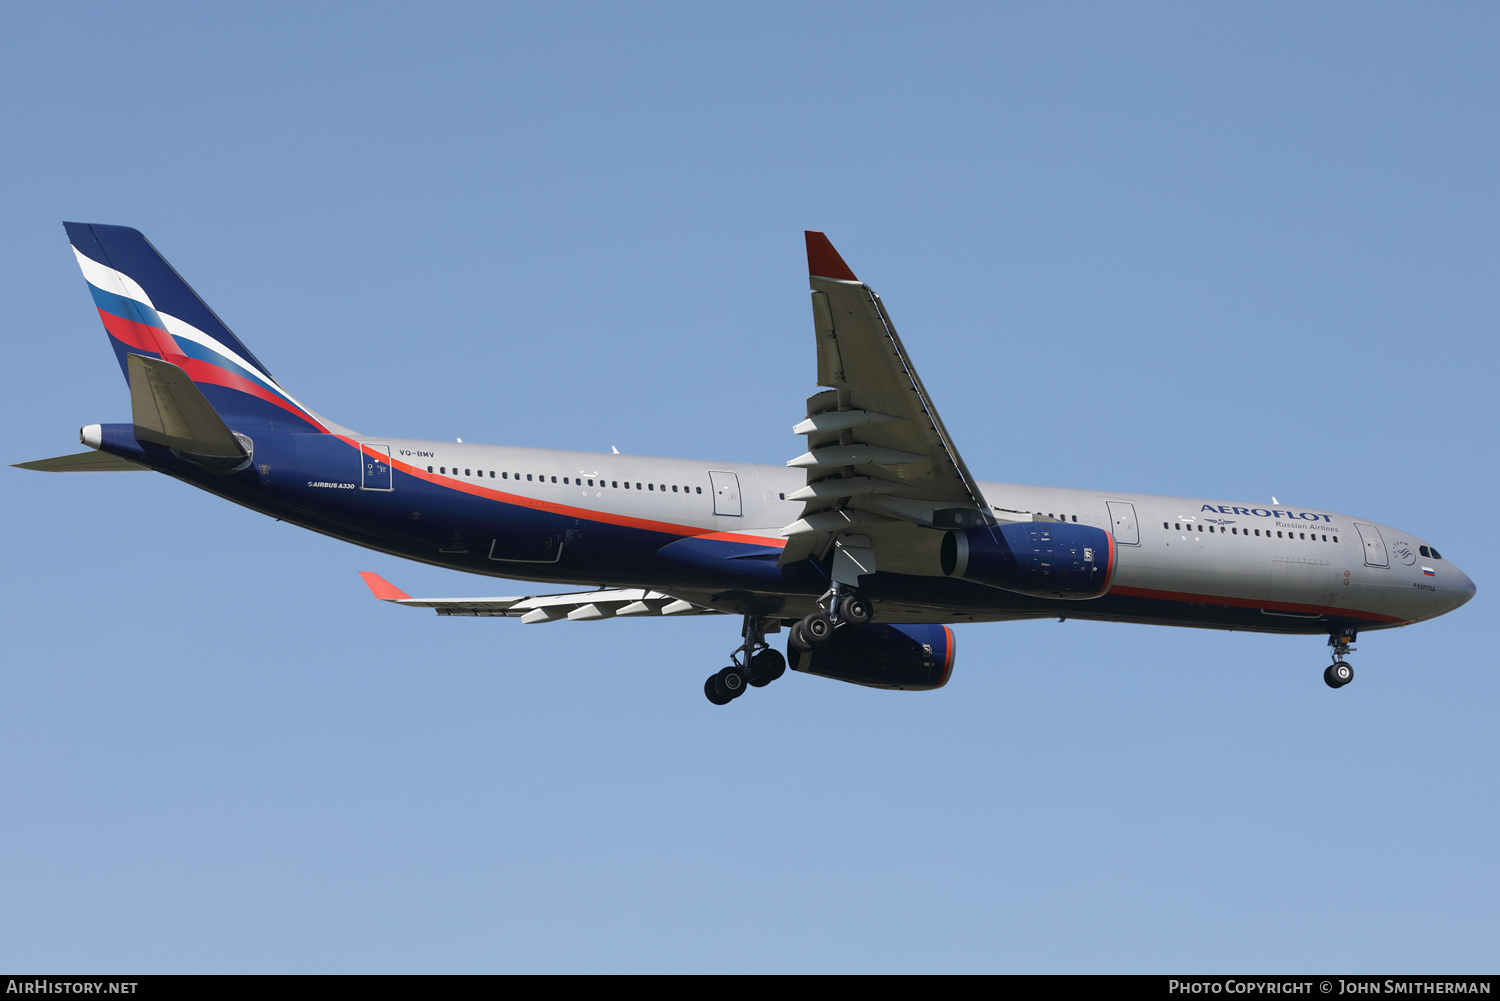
1339	673
754	664
845	610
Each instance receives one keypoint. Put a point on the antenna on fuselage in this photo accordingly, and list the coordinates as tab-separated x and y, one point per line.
614	450
1275	501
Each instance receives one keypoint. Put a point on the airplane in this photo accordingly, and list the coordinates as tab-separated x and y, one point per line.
866	548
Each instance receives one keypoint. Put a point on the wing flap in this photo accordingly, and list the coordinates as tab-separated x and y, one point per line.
576	606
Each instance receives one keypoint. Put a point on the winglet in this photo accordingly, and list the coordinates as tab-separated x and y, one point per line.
823	261
382	588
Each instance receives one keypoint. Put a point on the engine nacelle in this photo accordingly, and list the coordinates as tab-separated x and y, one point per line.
1042	558
909	658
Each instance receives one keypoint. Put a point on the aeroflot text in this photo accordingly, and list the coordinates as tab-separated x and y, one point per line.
1261	512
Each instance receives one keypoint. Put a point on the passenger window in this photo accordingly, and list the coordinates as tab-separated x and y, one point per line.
492	474
528	477
1165	525
1075	517
616	484
1335	538
554	479
466	472
429	469
1325	538
783	496
638	486
674	488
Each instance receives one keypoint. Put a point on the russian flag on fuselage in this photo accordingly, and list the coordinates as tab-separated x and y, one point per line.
148	309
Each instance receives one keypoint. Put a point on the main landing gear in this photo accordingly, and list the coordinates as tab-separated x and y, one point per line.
1339	673
756	665
753	665
846	610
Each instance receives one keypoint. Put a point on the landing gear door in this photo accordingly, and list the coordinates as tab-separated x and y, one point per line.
1122	523
375	472
726	487
1375	555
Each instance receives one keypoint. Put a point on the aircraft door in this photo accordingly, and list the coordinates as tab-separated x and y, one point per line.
375	473
1122	523
1375	555
726	487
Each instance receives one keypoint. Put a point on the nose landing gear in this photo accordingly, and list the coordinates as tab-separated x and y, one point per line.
754	664
1339	673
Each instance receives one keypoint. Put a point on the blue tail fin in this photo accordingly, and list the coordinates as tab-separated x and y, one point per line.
149	310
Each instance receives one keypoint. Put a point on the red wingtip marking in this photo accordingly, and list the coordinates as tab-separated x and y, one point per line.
823	260
382	588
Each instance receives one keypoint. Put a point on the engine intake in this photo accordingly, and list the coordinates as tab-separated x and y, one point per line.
909	658
1044	559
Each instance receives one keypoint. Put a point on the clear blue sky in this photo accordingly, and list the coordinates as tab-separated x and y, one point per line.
1269	231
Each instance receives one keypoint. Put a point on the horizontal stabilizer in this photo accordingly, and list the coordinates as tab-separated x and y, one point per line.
84	462
578	606
168	409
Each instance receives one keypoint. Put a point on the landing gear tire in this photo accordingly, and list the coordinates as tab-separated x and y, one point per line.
766	667
731	682
854	610
1338	674
711	689
796	638
817	628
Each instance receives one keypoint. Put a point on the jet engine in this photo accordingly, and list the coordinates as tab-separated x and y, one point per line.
1045	559
909	658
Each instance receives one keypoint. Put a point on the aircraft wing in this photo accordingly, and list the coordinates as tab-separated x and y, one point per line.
882	470
577	606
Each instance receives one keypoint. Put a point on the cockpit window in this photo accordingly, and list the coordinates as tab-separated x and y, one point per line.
1436	555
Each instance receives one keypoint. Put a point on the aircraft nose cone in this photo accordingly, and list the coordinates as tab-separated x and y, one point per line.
1463	589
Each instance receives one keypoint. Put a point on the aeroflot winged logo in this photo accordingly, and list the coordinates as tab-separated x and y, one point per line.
1261	512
